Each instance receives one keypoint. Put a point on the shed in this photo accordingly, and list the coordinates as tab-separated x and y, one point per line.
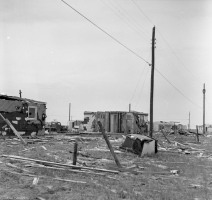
117	121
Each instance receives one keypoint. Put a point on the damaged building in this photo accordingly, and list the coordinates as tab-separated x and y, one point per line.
27	116
116	121
168	126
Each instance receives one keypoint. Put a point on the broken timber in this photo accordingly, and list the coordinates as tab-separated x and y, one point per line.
14	130
45	177
165	137
109	145
58	164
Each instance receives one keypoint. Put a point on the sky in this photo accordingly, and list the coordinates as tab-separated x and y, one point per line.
53	54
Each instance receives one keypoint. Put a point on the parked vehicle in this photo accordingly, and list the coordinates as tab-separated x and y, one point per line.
55	126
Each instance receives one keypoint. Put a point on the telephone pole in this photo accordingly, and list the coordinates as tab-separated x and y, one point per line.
152	82
204	91
69	116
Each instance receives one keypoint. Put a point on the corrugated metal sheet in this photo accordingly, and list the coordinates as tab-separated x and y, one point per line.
20	99
10	105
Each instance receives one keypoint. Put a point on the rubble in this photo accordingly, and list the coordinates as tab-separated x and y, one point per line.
46	164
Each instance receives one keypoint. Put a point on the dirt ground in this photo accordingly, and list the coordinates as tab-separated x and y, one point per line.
180	170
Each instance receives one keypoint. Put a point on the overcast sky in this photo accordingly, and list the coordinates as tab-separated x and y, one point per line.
54	55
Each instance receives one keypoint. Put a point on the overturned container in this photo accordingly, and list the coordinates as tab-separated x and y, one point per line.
140	144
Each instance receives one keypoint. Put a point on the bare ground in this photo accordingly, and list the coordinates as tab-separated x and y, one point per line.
176	172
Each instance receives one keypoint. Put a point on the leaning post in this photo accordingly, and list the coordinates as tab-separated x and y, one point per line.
75	153
197	134
109	145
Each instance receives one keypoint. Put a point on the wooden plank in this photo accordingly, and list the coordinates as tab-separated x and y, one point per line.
58	179
165	137
14	130
69	170
57	164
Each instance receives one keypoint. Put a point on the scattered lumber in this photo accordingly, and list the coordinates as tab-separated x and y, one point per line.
16	167
57	164
186	145
70	170
46	177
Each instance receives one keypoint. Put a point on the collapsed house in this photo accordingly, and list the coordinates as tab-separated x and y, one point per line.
26	115
116	122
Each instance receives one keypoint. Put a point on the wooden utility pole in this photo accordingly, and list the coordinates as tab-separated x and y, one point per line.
204	91
69	116
20	93
152	82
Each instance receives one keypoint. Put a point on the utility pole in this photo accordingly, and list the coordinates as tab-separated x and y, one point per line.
204	91
69	116
152	82
130	107
20	93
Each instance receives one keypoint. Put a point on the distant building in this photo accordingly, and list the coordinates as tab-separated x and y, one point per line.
26	115
159	125
168	126
116	121
89	121
208	128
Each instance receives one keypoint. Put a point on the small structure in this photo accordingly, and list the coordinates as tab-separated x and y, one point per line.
90	121
168	126
159	125
116	121
208	128
26	115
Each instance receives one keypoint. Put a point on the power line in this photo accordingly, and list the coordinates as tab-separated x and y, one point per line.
116	40
171	51
141	90
178	89
124	13
113	38
163	38
125	20
142	12
137	85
